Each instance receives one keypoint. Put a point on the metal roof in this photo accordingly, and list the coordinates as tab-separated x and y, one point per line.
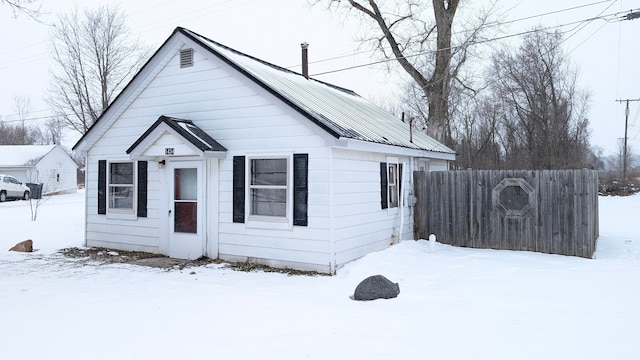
340	111
185	128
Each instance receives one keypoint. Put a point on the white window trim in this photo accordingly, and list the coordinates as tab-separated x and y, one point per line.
269	222
125	214
393	161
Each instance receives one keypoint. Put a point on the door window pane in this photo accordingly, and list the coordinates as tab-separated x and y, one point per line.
185	195
186	184
186	217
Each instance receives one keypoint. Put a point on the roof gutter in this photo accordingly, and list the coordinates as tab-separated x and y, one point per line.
361	145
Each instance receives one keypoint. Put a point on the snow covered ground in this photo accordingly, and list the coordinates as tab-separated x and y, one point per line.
456	303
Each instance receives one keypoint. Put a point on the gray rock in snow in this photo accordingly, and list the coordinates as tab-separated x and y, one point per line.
376	287
23	246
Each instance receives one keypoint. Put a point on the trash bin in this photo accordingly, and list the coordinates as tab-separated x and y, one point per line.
36	190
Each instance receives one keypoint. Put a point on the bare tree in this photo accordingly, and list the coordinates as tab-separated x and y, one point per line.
22	107
52	133
544	122
27	7
12	133
16	131
621	157
419	38
95	58
478	142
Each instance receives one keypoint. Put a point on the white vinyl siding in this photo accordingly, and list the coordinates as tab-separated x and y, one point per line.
302	247
345	219
135	234
360	226
246	120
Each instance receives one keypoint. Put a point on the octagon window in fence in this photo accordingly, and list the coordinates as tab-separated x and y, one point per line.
514	197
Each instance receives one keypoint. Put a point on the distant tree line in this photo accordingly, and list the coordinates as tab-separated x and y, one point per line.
20	131
532	114
18	134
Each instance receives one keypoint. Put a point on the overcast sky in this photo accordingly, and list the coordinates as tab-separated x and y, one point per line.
606	53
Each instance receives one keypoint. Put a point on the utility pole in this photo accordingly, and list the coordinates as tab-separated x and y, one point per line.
626	122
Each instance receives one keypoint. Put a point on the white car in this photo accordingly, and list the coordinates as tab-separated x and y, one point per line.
11	188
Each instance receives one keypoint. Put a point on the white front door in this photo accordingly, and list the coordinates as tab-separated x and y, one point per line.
186	234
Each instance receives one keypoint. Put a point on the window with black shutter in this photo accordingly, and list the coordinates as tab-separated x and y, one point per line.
300	189
121	189
238	188
390	180
102	186
142	189
383	185
264	183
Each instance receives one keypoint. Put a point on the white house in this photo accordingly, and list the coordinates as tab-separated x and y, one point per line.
49	165
212	152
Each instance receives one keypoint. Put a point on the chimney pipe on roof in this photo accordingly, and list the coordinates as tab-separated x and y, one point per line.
305	60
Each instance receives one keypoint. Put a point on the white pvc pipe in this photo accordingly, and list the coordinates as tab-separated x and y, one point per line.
401	203
432	243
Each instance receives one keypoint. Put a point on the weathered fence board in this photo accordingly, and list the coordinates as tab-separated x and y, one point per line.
550	211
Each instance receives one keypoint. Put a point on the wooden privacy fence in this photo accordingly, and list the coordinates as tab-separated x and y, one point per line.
549	211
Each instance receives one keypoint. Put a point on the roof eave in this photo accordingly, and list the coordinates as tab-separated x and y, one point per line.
361	145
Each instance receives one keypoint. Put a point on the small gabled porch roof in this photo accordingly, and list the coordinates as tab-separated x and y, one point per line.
170	136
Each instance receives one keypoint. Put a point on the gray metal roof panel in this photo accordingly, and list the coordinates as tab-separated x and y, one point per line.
341	110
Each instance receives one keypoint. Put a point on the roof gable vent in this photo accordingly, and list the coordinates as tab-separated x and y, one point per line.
186	58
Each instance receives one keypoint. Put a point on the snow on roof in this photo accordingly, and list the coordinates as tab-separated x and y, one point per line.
22	155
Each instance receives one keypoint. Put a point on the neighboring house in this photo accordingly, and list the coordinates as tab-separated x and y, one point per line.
49	165
211	152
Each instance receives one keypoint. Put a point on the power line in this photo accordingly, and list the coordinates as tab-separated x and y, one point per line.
27	119
229	4
557	11
490	24
471	43
599	16
201	13
585	21
584	26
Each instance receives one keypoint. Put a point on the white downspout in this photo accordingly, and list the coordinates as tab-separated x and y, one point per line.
332	240
86	196
206	205
401	203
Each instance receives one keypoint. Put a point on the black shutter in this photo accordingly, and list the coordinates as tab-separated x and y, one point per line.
300	189
400	184
238	189
142	189
102	186
383	185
